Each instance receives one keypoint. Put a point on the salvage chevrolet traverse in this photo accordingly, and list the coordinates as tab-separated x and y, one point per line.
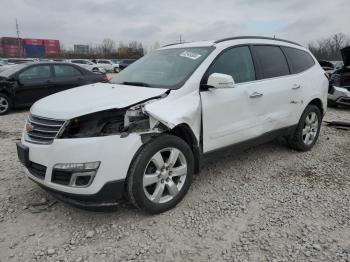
144	135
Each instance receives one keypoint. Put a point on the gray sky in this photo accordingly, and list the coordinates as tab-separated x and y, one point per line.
90	21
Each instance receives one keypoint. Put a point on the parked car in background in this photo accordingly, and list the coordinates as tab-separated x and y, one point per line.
24	84
145	134
116	61
339	89
89	65
327	66
108	65
125	63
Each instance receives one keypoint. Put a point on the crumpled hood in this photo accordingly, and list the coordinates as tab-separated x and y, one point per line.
92	98
345	52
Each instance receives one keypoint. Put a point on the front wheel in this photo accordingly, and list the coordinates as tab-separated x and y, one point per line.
161	174
308	129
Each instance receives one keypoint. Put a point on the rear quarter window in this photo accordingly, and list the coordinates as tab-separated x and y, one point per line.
298	60
272	62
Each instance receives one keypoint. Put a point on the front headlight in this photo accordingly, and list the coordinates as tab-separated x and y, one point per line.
103	123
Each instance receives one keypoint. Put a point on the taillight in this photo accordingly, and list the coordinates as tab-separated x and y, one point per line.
105	78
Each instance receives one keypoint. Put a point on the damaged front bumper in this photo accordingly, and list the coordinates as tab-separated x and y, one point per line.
340	95
113	153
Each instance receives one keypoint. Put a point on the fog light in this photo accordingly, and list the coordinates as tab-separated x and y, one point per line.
75	174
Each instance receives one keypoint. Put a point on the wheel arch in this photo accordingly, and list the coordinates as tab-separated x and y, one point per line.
184	132
318	102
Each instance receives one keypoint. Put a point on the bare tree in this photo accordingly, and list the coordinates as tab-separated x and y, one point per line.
329	48
108	46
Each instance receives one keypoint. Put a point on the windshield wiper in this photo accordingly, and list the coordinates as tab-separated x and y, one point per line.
136	84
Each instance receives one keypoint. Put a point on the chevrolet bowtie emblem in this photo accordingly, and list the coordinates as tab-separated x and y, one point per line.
29	127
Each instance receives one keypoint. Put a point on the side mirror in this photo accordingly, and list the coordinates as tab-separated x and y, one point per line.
217	80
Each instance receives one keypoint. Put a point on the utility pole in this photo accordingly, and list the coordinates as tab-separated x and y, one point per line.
18	40
180	39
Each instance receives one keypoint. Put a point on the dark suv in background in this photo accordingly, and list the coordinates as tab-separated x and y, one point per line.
339	91
125	63
24	84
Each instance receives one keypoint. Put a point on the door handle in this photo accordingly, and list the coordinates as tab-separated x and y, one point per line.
256	95
296	87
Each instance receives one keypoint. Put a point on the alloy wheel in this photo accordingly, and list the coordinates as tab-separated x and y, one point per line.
4	105
310	129
165	175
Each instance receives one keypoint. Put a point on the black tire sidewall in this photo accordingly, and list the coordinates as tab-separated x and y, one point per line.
309	109
9	104
136	172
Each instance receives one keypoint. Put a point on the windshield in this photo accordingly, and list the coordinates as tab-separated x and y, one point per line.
11	70
168	68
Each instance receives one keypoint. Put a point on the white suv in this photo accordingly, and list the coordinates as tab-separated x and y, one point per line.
108	65
88	65
144	135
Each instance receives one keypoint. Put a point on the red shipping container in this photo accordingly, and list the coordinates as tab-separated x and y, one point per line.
32	41
11	47
52	43
52	48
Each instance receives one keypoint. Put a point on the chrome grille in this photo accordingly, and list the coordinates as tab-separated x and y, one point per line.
40	130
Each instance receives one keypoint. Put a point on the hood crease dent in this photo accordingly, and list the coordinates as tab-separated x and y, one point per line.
93	98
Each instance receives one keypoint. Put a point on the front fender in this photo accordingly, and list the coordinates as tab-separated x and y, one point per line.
173	111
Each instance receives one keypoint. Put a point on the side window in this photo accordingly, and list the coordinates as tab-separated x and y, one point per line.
236	62
299	60
66	71
35	73
272	61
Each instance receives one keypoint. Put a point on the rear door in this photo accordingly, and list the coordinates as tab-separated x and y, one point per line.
34	83
66	77
278	106
303	82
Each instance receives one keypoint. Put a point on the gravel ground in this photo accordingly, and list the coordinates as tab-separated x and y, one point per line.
267	203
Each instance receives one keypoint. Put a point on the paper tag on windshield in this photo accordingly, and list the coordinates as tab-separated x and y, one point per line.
190	55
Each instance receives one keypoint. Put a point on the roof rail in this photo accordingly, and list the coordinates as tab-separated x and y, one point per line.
255	37
174	44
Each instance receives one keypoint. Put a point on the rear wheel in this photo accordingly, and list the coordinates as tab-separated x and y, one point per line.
161	174
5	104
308	129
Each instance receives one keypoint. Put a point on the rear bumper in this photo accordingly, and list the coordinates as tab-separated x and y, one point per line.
340	96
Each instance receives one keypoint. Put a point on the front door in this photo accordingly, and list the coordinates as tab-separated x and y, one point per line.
232	115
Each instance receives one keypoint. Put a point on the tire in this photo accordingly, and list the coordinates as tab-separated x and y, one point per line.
116	70
307	128
5	104
174	185
95	70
